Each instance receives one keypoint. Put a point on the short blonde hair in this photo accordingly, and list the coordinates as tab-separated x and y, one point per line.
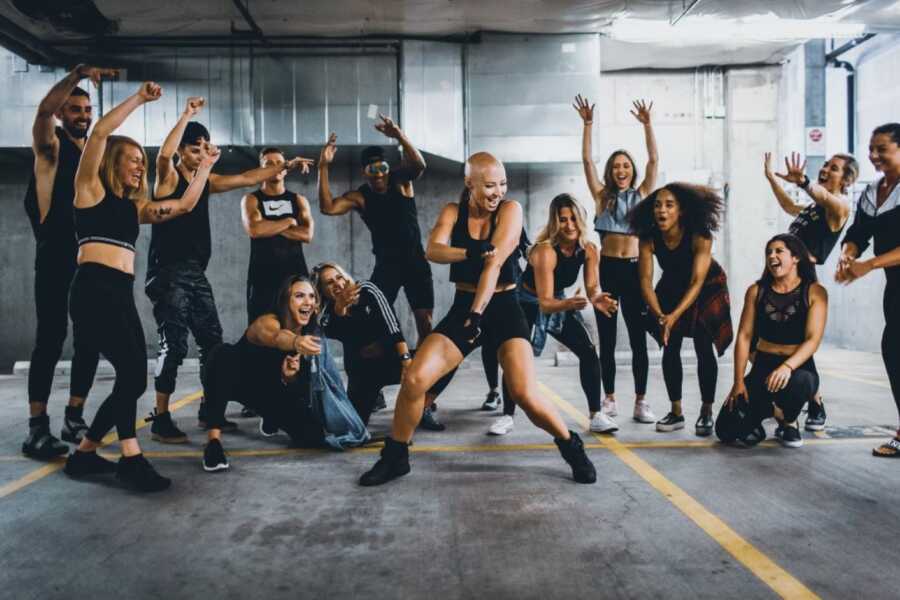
115	147
317	277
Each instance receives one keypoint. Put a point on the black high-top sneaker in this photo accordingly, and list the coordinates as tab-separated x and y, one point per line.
40	443
136	472
74	427
163	428
394	463
84	464
572	451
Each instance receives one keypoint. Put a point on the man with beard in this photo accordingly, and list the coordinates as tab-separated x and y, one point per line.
48	203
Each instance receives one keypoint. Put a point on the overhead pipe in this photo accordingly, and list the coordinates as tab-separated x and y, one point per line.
851	103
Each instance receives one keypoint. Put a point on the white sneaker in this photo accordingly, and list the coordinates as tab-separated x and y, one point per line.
501	426
609	407
600	423
642	412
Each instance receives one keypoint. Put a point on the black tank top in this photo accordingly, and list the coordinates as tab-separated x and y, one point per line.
393	222
58	229
811	226
565	273
184	238
677	263
276	257
469	270
781	318
113	220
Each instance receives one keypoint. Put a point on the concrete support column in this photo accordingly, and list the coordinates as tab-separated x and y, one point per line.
814	55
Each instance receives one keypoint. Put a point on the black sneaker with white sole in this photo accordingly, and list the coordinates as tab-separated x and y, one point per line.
492	402
670	422
704	425
429	421
815	417
40	443
214	458
790	437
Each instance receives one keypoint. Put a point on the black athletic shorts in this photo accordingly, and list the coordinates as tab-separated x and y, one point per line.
502	320
413	274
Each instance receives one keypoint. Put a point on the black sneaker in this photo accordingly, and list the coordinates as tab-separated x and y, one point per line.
226	424
815	416
246	412
790	437
40	443
74	427
572	451
394	463
214	458
670	422
84	464
163	428
139	474
430	422
492	402
704	425
380	403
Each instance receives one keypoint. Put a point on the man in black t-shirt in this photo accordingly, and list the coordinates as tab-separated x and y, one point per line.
386	203
180	250
48	204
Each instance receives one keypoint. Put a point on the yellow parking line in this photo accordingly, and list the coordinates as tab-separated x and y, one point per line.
53	467
782	583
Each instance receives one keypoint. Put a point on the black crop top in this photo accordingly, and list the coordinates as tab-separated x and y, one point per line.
781	318
469	270
113	220
565	273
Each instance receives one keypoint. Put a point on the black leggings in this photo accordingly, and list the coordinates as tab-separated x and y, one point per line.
707	366
53	273
105	320
231	379
745	416
890	339
619	277
575	337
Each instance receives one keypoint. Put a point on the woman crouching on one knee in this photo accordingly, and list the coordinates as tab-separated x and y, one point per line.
785	311
264	371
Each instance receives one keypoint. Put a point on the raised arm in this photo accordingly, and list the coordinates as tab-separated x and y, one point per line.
305	228
226	183
641	112
439	249
505	240
786	202
165	166
43	137
88	188
255	225
586	111
267	331
165	210
413	164
742	345
328	205
836	207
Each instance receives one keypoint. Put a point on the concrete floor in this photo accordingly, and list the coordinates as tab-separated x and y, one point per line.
671	516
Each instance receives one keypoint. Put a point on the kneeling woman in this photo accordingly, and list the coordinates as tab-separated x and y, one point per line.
559	253
786	310
675	223
265	370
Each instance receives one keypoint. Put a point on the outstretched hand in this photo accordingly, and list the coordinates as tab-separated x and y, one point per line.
796	171
605	303
326	156
299	163
150	91
767	166
96	74
388	128
584	109
641	111
346	298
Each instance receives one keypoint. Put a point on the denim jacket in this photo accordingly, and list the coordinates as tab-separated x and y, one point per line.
343	428
546	322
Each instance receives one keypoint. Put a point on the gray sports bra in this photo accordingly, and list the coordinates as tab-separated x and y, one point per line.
614	219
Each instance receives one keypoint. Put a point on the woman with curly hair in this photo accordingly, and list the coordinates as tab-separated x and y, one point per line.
675	224
614	196
785	310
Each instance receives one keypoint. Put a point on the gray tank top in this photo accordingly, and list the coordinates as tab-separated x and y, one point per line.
613	219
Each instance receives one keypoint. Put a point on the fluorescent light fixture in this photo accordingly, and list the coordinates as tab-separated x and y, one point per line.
709	29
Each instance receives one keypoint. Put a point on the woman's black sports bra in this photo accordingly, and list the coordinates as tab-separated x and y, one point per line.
113	220
469	270
781	318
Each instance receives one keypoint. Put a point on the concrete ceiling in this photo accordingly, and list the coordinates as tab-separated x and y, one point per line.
177	19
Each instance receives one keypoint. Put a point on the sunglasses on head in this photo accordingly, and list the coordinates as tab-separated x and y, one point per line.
378	168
